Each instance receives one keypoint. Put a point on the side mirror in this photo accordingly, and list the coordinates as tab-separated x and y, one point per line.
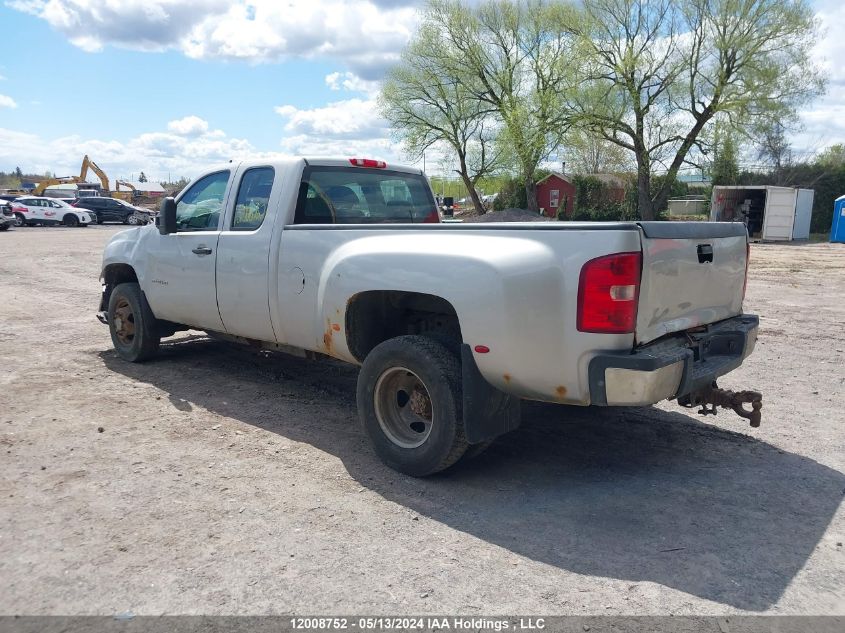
166	220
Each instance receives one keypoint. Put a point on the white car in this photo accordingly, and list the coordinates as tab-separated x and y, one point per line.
31	210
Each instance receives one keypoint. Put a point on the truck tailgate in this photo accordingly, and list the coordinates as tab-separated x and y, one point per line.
693	274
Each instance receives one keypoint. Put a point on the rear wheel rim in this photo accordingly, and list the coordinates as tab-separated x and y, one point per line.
124	322
18	220
403	407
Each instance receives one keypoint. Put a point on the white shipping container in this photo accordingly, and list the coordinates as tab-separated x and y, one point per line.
771	213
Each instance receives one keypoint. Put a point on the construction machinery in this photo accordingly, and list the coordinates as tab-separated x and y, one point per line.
87	164
128	195
49	182
131	193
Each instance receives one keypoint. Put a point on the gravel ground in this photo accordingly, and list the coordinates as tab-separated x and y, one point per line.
216	480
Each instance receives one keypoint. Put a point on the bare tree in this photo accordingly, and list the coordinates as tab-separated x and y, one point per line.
589	153
774	149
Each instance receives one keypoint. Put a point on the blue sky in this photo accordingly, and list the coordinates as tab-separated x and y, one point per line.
169	86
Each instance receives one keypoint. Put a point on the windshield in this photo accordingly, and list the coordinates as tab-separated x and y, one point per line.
344	195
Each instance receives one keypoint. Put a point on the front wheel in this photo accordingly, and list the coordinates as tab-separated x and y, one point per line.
409	401
71	220
132	219
132	325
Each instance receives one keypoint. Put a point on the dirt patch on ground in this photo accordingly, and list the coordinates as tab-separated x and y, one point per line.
507	215
224	481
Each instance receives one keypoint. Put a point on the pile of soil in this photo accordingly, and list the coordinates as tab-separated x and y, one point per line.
509	215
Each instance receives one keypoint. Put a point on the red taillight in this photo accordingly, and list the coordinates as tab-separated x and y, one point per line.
747	261
608	291
432	218
19	209
368	162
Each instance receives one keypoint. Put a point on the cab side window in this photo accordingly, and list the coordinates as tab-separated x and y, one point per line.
253	198
200	208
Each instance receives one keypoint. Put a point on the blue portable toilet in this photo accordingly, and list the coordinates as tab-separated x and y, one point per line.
837	231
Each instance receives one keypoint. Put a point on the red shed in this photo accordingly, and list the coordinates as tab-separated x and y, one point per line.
555	193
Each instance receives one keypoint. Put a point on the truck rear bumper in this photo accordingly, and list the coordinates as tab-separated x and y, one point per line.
672	367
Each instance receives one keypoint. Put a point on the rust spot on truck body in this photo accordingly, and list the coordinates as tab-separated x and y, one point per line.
507	378
336	327
327	337
560	391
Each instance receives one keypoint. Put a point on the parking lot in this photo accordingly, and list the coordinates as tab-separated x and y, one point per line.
217	480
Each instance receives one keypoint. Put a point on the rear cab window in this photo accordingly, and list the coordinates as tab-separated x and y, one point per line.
344	195
252	199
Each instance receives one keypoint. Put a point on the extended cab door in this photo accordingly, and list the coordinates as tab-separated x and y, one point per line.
243	254
181	284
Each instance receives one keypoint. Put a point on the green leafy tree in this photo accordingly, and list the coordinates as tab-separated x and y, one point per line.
427	103
833	156
514	58
659	73
725	167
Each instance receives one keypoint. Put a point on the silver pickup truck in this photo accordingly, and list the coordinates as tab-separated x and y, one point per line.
452	324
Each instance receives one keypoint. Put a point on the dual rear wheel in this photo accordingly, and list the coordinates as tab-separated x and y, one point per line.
410	403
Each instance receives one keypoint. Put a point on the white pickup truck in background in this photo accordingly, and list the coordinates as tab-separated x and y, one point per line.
452	324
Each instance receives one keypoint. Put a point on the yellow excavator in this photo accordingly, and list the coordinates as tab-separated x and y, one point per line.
132	191
49	182
105	189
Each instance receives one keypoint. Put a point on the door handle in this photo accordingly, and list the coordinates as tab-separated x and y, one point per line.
201	250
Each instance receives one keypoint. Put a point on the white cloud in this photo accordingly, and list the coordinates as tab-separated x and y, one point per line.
349	119
366	34
7	102
189	126
350	127
351	82
156	153
824	120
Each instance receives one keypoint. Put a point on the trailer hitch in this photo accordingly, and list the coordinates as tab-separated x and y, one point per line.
725	398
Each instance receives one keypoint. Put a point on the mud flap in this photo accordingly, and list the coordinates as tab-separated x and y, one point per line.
488	412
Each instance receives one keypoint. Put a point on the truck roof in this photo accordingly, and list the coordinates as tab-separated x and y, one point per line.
321	161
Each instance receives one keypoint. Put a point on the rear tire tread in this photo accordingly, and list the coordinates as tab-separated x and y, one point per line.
425	357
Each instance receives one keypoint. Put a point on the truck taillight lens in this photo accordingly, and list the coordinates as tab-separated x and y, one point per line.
608	291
